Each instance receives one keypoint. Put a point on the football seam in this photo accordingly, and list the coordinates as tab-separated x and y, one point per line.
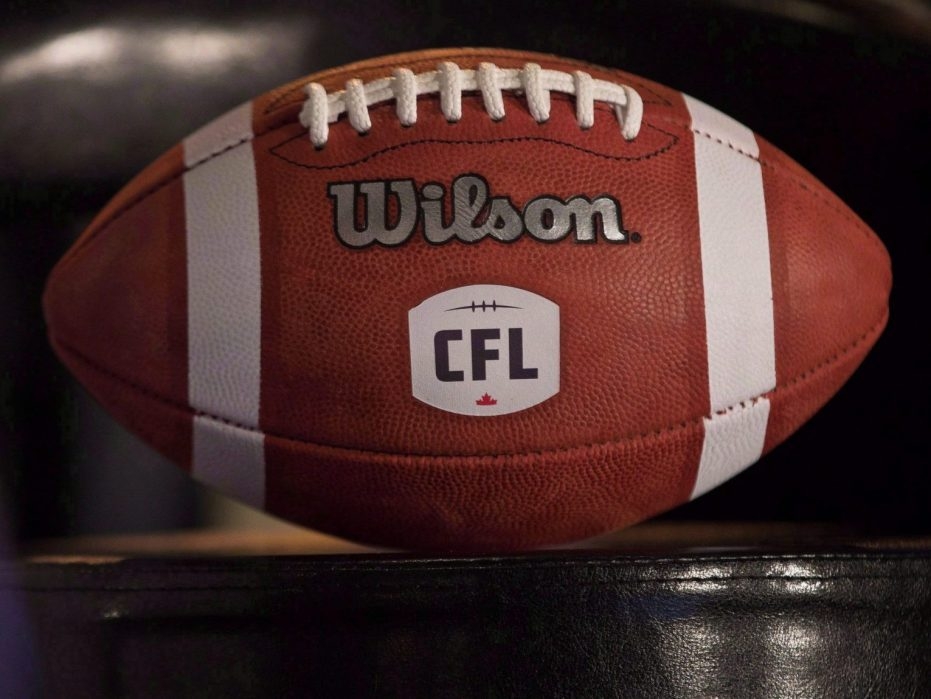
690	423
468	142
835	205
81	246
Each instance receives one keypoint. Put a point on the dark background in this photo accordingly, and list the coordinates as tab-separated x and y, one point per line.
90	93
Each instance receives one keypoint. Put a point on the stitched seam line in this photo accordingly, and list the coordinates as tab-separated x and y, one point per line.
692	423
212	155
515	139
831	204
151	191
73	253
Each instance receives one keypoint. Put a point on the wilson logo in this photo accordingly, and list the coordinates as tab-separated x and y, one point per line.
386	212
484	350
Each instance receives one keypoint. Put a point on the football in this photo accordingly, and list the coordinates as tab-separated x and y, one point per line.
471	299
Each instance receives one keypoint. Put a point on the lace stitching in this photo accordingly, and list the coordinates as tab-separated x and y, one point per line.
450	81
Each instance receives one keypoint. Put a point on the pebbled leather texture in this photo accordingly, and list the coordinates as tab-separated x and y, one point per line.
839	623
347	448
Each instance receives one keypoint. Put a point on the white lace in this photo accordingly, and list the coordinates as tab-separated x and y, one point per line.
450	81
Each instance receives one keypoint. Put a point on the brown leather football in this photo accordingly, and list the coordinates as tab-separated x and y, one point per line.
474	299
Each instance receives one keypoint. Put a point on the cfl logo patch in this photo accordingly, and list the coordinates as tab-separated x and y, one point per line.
484	349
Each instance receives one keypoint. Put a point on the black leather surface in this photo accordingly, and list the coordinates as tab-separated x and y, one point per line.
573	624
